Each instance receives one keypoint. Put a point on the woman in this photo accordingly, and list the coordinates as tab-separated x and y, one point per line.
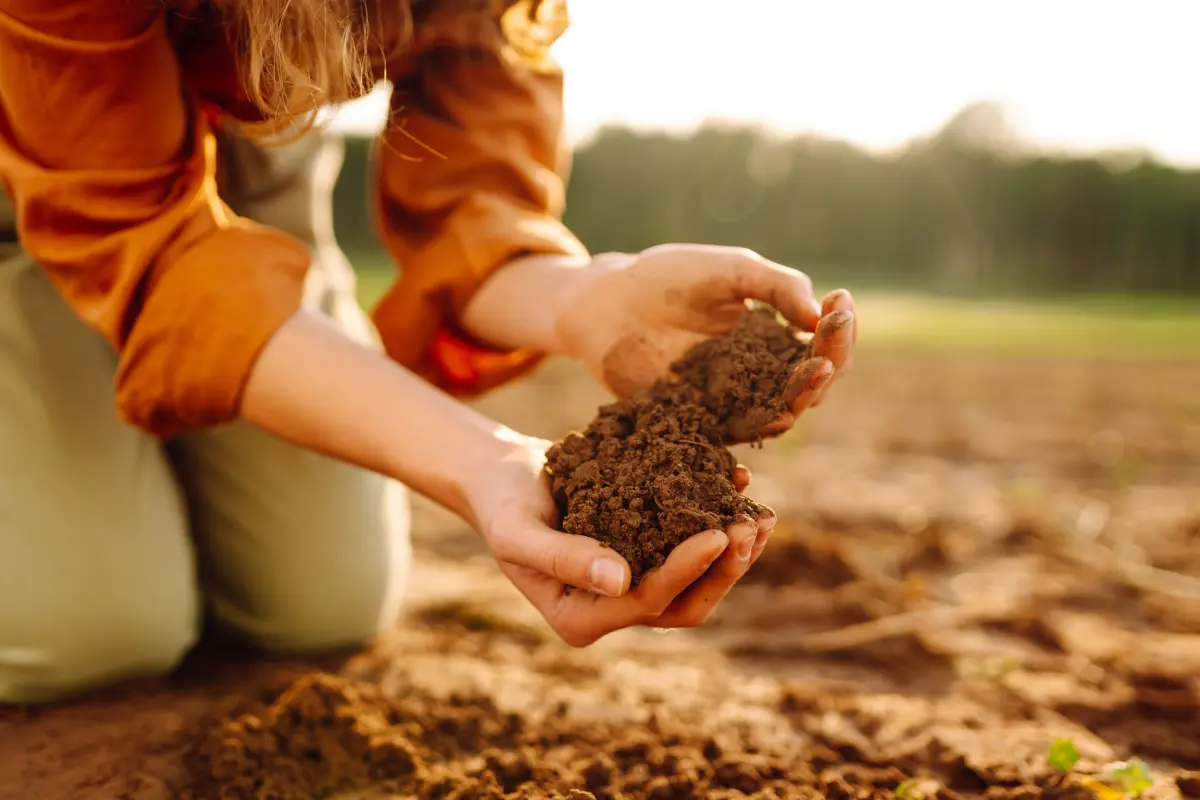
254	461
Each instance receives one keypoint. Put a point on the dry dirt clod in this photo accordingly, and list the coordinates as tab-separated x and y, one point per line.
653	470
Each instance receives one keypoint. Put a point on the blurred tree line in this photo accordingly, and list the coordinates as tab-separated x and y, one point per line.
967	209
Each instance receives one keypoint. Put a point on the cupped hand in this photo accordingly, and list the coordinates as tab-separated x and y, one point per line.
579	586
632	316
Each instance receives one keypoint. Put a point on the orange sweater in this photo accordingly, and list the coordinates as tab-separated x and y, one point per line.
107	154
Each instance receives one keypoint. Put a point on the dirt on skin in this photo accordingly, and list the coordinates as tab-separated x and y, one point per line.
960	576
654	469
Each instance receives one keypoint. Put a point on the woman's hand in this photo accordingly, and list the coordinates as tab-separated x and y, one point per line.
511	503
635	315
628	317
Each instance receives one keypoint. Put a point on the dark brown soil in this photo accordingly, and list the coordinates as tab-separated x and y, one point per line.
653	470
326	734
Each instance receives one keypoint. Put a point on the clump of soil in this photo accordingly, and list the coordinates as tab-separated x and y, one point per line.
328	736
653	470
740	378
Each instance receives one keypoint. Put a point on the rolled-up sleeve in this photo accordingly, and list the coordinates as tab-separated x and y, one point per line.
471	175
110	166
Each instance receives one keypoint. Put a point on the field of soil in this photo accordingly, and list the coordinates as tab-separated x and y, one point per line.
977	556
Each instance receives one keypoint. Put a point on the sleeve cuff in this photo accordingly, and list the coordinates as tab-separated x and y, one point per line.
464	367
418	318
207	317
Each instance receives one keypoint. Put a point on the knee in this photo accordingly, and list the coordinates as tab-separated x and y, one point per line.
97	642
339	587
305	607
343	609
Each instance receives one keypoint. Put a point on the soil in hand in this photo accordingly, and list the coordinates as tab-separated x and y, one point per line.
653	470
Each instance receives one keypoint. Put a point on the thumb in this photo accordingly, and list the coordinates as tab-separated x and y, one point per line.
578	561
787	290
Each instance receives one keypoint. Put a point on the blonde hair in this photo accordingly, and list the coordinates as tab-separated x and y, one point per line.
296	56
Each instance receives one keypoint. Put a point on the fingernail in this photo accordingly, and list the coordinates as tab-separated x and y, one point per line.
746	545
607	577
766	524
835	321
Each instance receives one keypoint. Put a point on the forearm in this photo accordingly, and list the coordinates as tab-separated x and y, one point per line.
516	307
316	388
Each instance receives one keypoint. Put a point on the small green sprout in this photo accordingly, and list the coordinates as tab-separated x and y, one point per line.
1063	755
908	790
1132	777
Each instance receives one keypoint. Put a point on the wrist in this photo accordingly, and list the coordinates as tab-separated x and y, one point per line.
505	456
569	310
450	463
315	387
525	304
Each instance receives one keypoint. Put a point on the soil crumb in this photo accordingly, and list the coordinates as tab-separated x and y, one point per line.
653	470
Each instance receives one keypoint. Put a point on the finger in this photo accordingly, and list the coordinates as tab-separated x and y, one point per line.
578	561
837	300
806	383
842	300
545	593
787	290
765	526
695	605
834	338
803	388
778	426
687	564
581	619
757	423
741	478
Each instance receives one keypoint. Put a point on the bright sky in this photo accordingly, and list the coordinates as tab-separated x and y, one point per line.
1073	74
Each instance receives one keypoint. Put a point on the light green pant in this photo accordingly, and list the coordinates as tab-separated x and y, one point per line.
112	545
